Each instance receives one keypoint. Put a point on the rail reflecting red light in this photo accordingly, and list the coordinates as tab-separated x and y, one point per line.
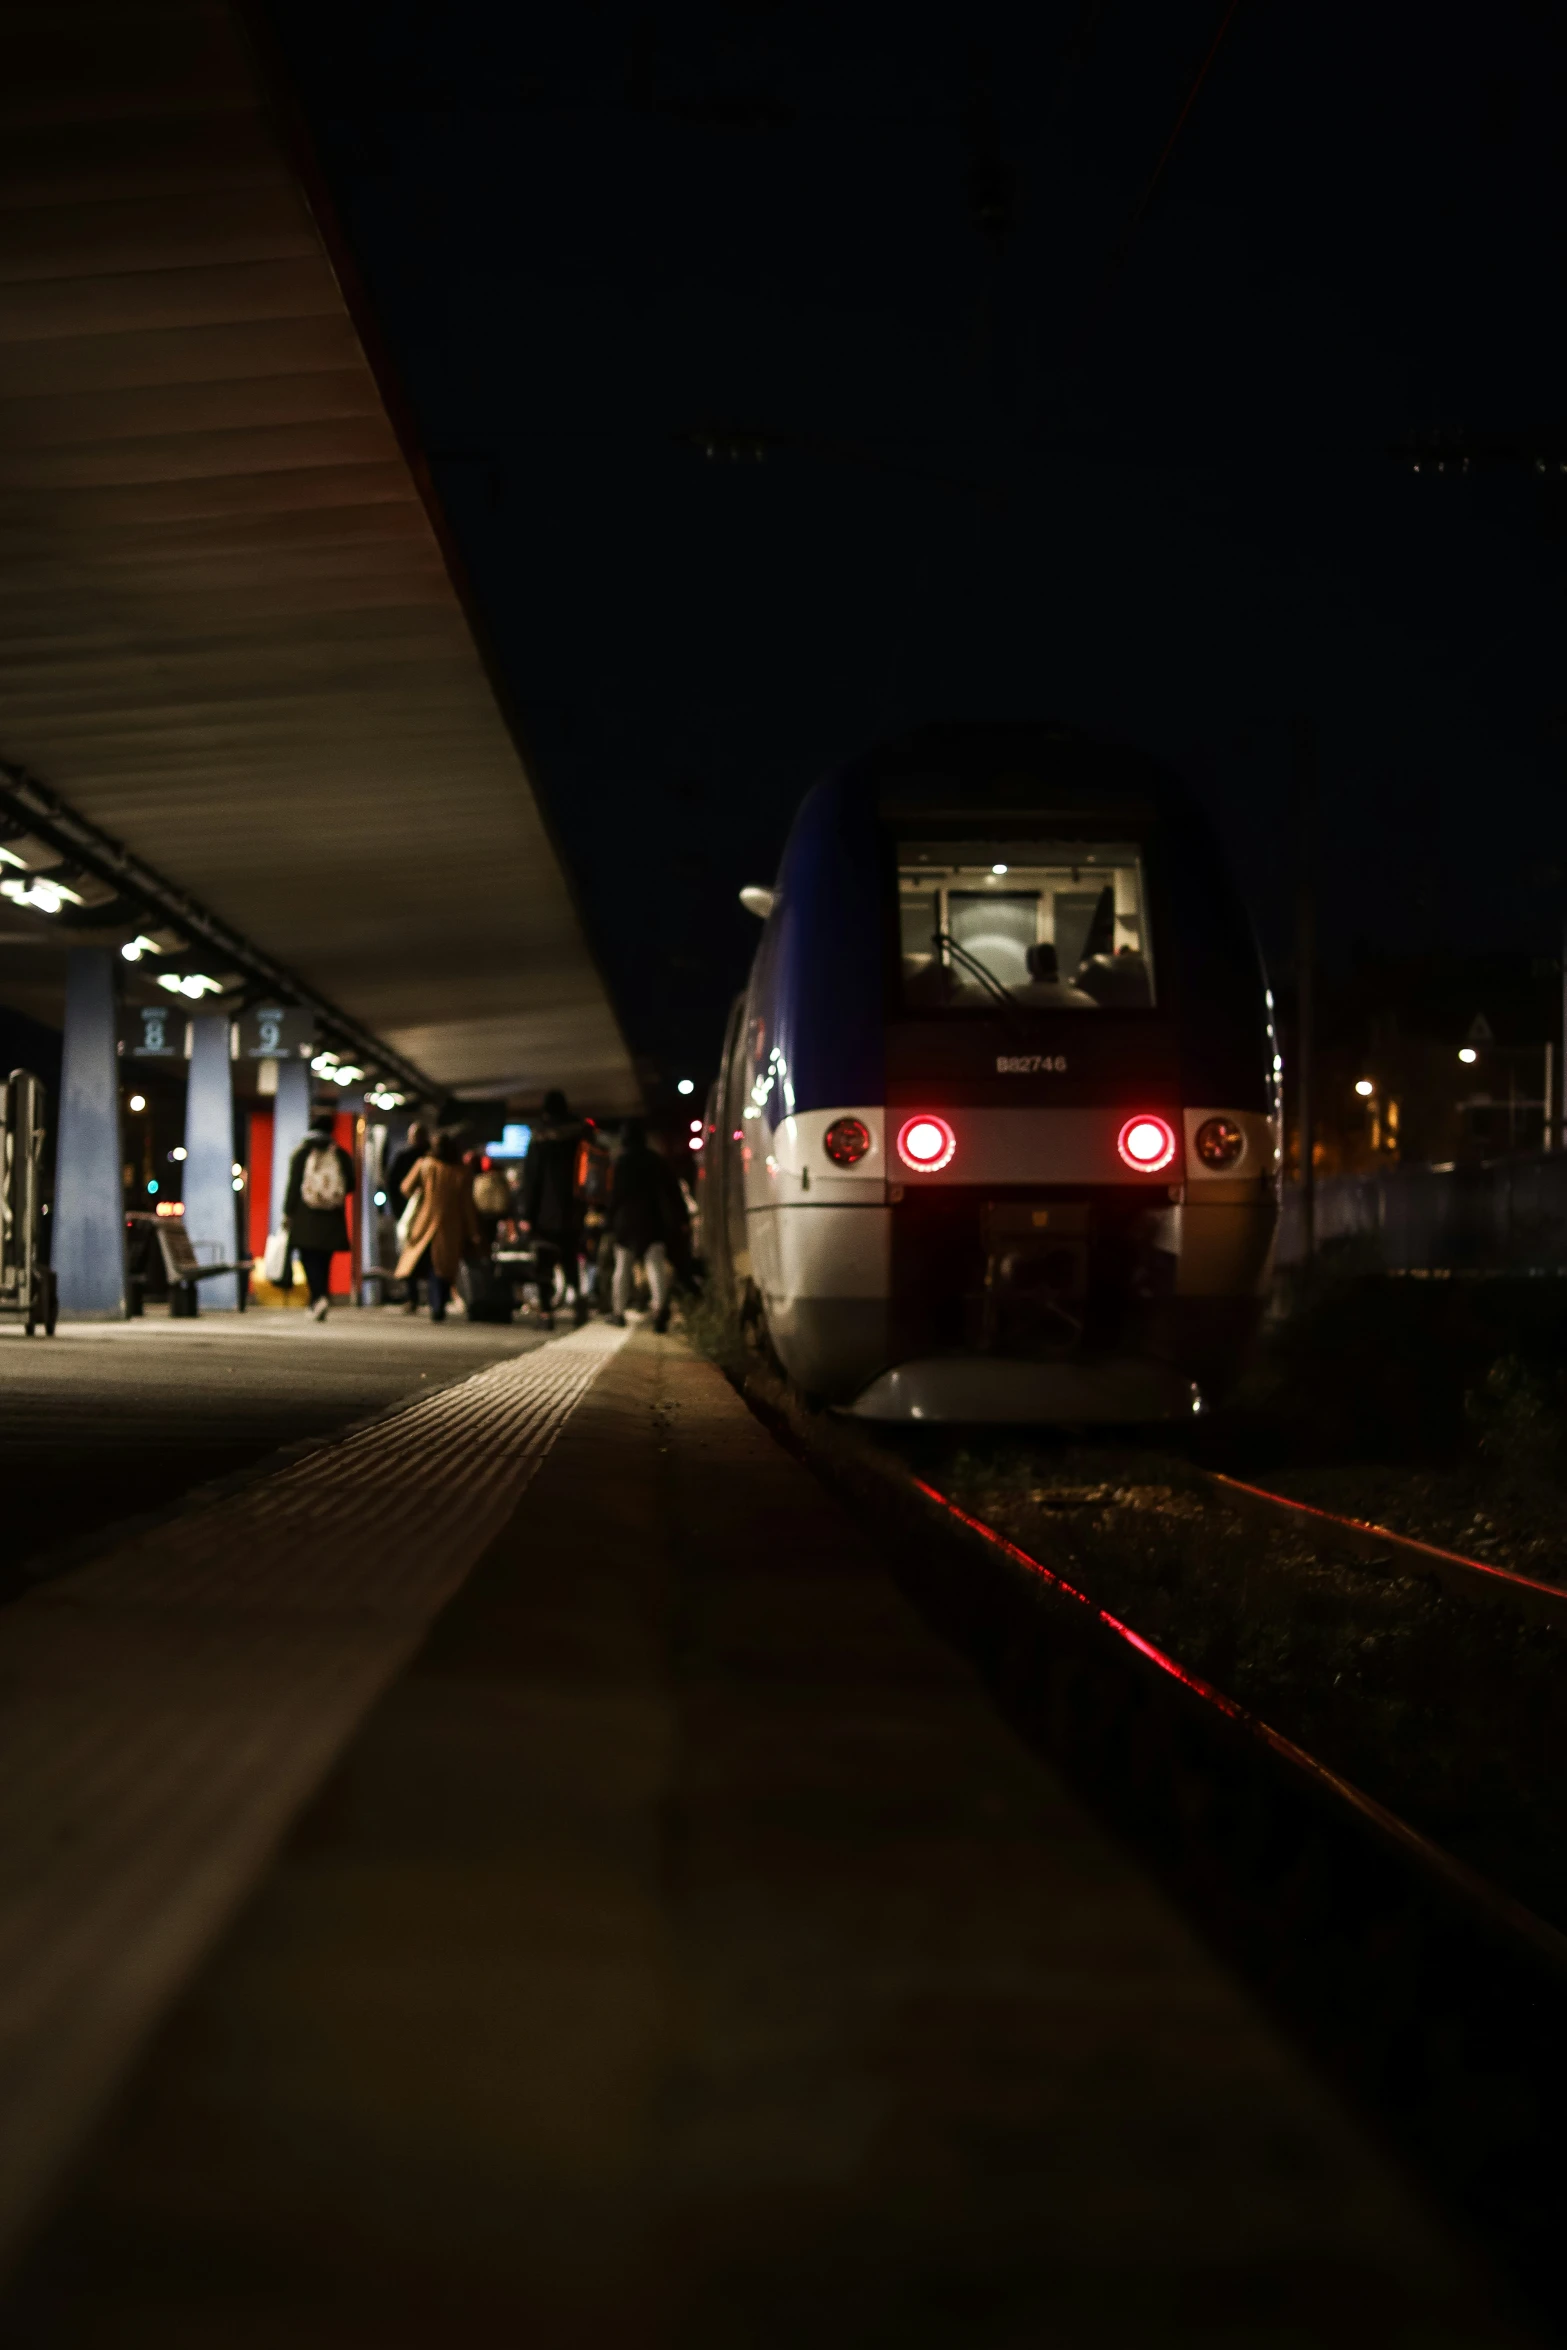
1465	1880
926	1143
1146	1142
1023	1558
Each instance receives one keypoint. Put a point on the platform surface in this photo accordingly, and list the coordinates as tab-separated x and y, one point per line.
108	1421
681	1954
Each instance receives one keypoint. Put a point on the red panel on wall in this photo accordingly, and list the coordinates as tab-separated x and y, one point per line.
259	1172
346	1131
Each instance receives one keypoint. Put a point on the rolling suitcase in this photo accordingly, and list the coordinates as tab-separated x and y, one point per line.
486	1291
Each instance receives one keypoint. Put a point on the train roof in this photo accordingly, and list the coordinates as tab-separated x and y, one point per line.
1009	770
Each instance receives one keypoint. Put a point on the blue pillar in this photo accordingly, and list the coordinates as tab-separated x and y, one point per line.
290	1118
89	1198
209	1148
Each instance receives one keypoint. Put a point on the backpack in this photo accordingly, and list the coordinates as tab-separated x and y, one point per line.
322	1185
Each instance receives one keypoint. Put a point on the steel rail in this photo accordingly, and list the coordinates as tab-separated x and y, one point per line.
41	811
1463	1577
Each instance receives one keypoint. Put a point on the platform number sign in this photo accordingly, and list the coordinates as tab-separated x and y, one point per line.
276	1032
154	1032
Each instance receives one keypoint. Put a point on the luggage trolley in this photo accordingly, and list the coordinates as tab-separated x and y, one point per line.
26	1281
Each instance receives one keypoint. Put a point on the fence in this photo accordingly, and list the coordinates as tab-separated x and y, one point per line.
1500	1215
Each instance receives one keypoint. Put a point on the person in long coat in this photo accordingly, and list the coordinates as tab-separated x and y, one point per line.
445	1226
315	1205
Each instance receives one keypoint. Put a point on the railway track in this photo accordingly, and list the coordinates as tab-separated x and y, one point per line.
1435	1999
1467	1884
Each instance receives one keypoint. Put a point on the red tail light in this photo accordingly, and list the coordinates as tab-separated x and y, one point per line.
1146	1143
926	1143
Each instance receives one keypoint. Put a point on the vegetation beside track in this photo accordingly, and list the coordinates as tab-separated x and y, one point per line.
1436	1408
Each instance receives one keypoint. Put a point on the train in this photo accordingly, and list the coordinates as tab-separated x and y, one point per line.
995	1137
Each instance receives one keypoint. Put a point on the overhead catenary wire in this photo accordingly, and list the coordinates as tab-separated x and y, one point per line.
1139	211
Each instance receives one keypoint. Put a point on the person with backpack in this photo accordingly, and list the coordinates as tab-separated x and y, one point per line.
445	1226
315	1205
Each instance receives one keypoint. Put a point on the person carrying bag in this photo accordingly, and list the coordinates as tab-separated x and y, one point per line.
315	1206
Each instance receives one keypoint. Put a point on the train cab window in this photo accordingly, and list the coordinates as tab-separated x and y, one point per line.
1049	925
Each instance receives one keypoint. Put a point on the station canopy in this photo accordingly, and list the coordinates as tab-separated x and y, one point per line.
229	630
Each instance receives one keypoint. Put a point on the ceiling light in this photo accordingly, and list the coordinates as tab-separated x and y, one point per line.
1364	1087
134	949
194	984
685	1086
1466	1052
45	897
138	1101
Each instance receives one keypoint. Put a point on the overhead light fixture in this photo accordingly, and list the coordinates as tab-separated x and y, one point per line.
1365	1088
43	895
685	1086
138	1101
324	1063
1466	1052
194	984
134	948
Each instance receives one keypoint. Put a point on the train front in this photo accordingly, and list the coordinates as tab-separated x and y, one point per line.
1005	1091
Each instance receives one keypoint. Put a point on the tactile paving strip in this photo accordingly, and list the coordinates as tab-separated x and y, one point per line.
166	1710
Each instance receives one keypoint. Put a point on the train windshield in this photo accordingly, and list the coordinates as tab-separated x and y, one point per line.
1052	926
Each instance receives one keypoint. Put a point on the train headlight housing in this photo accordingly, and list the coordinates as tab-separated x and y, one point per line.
1220	1143
1146	1143
846	1141
926	1143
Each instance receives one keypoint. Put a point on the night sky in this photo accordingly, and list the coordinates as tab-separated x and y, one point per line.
978	453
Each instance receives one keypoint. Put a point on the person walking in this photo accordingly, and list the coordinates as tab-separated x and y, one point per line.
401	1166
646	1216
551	1210
404	1160
315	1205
445	1227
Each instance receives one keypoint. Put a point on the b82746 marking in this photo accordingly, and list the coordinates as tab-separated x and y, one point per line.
1030	1064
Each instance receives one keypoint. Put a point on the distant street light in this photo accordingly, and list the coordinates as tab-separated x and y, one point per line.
685	1086
1364	1087
1468	1055
138	1101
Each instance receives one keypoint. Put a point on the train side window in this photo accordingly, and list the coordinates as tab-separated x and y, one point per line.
1050	925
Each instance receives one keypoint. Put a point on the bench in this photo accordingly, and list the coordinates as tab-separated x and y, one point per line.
182	1267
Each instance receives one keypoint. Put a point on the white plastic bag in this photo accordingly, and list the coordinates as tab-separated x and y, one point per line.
274	1257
